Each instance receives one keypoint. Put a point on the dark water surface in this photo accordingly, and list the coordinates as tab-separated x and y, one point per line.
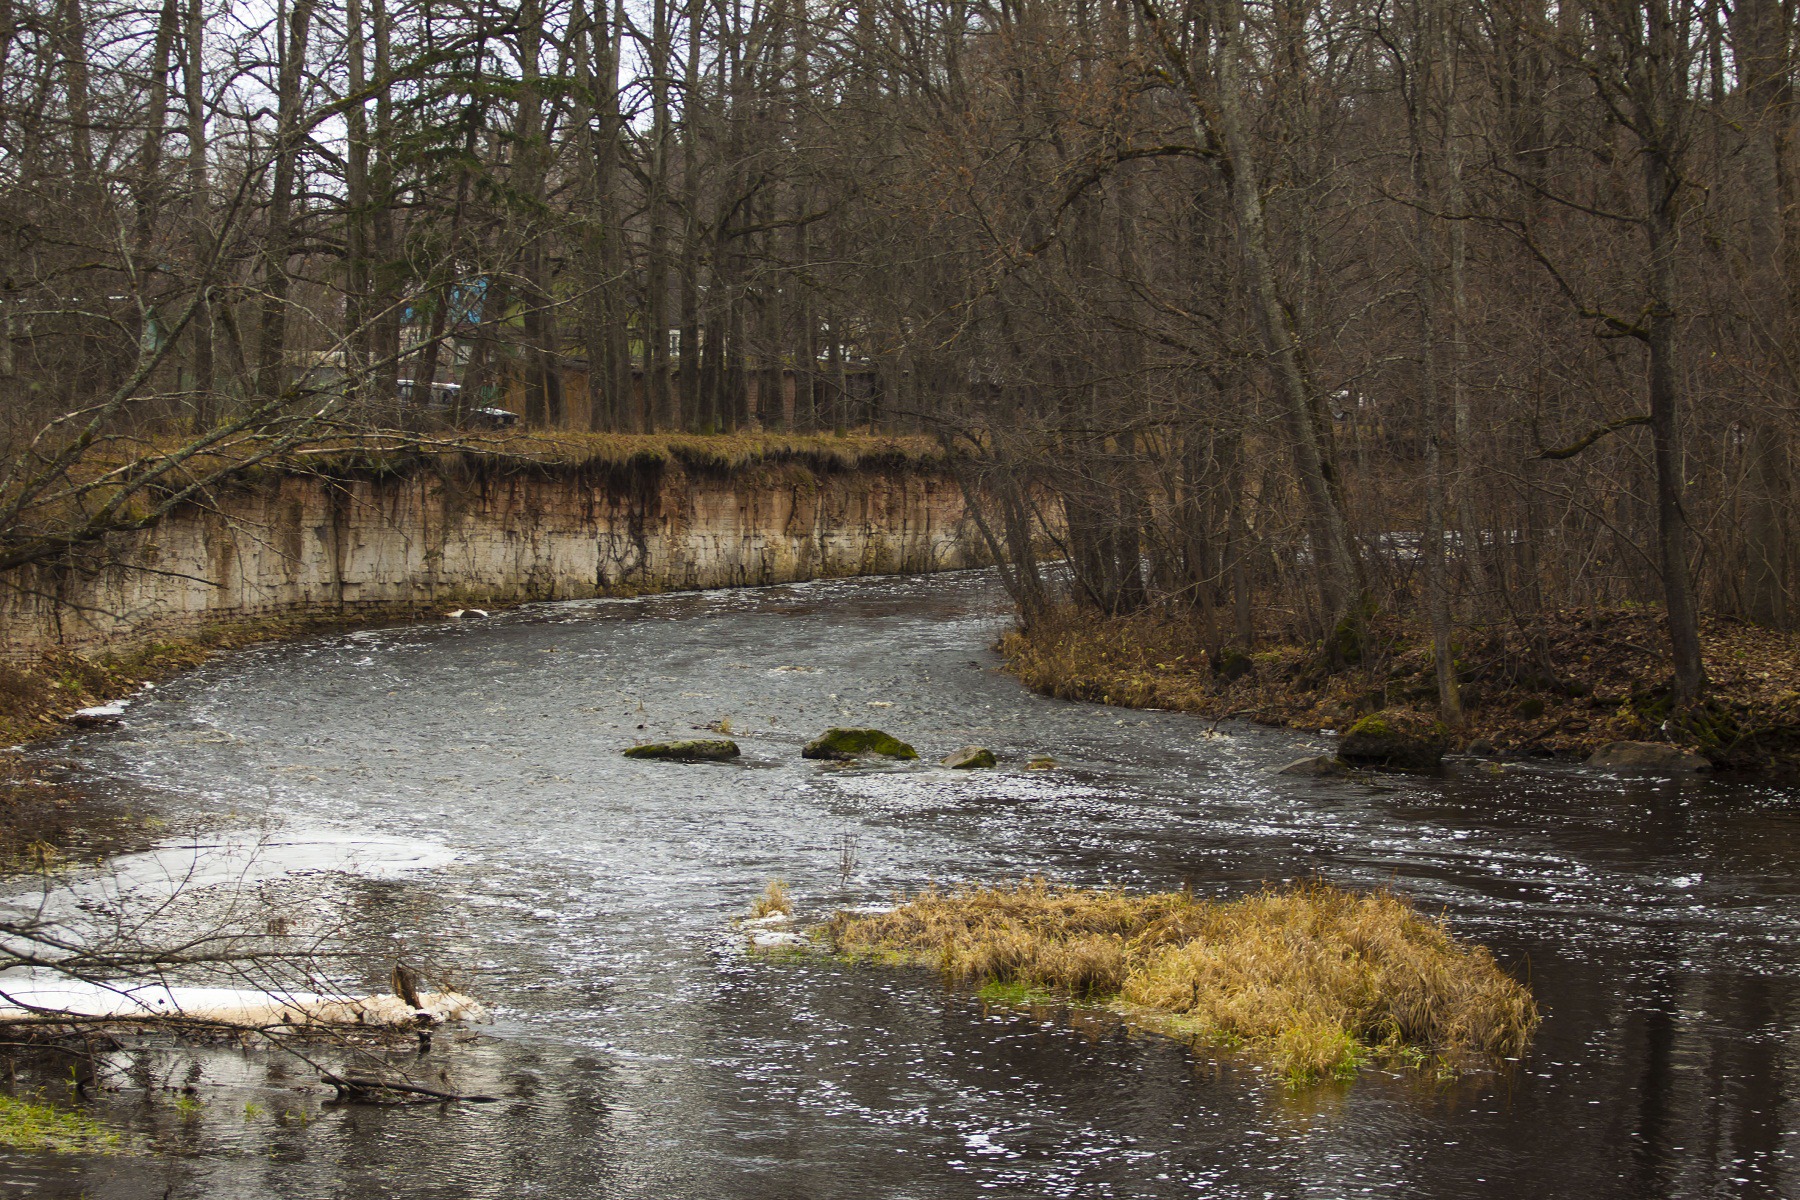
640	1054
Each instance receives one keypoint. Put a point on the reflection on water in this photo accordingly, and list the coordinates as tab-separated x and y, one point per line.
640	1055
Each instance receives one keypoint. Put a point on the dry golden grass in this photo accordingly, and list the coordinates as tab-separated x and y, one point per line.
548	449
774	899
1312	977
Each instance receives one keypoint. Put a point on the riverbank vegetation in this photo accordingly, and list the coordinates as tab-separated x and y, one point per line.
37	697
1567	683
27	1124
1313	979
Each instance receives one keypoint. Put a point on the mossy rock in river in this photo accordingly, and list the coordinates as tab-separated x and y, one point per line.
969	758
843	744
693	750
1396	741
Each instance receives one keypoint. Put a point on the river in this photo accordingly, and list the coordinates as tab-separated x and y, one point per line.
587	900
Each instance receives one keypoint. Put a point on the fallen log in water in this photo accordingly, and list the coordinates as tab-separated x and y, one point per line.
354	1090
62	998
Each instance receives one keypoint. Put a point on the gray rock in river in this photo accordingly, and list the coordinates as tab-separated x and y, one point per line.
1647	756
692	750
843	744
969	758
1320	766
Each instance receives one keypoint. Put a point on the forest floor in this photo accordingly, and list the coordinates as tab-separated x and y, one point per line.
1560	686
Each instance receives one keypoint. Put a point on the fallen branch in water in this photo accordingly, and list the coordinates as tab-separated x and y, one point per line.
355	1090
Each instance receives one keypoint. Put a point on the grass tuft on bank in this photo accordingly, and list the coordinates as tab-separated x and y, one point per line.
1312	978
32	1125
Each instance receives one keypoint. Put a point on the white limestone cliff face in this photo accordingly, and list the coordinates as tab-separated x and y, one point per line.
422	541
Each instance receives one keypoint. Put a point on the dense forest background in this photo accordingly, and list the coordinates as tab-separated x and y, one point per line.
1276	314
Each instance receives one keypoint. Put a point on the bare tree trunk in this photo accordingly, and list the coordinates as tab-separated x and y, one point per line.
384	302
271	351
1761	49
1660	186
358	213
1338	567
199	206
1661	96
658	400
1430	65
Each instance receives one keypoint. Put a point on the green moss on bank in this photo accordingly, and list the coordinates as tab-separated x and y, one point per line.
32	1125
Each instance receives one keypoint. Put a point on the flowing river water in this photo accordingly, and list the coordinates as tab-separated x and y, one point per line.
587	899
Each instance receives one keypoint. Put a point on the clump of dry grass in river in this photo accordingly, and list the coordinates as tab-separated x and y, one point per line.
1312	978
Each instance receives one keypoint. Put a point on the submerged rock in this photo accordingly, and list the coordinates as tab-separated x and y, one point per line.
1395	741
1042	762
1647	756
842	744
1319	766
692	750
969	758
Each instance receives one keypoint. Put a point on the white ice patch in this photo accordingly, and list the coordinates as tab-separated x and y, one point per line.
772	919
111	710
68	901
28	993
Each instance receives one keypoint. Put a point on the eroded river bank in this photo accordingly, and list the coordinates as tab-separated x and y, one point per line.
586	899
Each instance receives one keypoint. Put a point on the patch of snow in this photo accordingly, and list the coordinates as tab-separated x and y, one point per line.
100	714
766	922
770	941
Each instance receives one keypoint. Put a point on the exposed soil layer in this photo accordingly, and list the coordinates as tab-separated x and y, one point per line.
1570	682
